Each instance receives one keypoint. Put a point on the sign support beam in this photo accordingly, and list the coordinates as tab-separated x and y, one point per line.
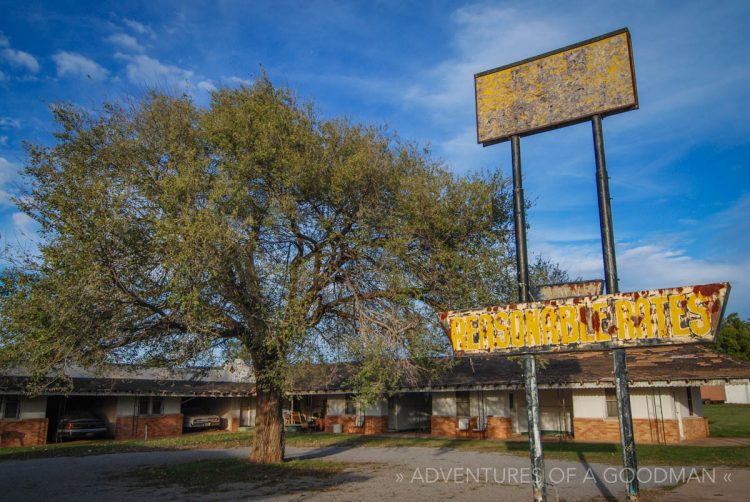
522	271
610	279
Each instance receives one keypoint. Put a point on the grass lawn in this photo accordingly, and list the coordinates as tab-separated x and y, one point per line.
738	456
207	475
728	420
100	447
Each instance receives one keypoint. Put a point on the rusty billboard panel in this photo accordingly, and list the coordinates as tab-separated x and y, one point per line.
688	314
592	287
559	88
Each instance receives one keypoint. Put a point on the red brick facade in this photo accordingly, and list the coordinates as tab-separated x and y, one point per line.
159	426
695	428
646	430
443	426
372	425
499	427
26	432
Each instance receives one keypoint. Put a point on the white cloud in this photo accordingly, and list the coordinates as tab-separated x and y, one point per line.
207	86
20	59
8	177
25	226
239	81
4	41
145	70
8	123
3	76
138	27
76	65
125	41
3	140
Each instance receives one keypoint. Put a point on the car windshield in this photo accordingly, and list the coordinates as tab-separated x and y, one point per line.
78	415
194	411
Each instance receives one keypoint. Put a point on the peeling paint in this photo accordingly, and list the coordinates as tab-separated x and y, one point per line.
556	89
688	314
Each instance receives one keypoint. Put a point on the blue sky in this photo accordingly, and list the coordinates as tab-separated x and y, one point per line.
678	166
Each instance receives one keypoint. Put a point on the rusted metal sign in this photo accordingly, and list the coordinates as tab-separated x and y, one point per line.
688	314
568	290
569	85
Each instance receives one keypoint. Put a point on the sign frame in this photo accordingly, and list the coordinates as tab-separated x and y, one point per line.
562	123
592	312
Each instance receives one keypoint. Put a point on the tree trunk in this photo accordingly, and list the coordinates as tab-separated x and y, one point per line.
268	439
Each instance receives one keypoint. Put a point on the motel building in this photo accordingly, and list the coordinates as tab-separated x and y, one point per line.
481	396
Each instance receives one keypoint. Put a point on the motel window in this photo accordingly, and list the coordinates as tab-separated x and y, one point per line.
351	407
462	404
10	406
691	412
150	405
611	397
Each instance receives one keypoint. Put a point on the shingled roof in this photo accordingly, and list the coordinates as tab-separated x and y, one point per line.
677	365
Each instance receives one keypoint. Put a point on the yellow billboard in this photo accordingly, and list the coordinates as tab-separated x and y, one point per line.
688	314
556	89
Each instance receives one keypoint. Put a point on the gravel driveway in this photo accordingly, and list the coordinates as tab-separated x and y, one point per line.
400	473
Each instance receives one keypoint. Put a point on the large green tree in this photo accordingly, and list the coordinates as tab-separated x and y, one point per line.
173	234
734	337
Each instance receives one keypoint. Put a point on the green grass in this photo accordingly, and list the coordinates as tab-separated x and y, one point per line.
728	420
101	447
738	456
207	475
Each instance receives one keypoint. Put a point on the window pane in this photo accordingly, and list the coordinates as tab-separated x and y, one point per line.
143	406
351	409
156	406
12	407
462	404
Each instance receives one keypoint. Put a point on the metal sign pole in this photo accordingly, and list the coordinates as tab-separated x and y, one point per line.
610	280
522	270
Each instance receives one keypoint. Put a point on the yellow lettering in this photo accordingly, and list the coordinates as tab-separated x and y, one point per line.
516	328
624	316
644	323
703	327
677	305
568	324
472	332
533	335
661	320
599	321
550	326
458	333
502	337
586	334
486	331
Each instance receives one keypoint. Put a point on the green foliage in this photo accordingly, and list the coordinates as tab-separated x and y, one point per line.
734	337
174	234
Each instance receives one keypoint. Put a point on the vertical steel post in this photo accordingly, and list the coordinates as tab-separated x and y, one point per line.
610	279
522	271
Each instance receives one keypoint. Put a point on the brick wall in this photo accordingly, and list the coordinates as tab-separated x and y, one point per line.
695	428
645	430
130	427
443	426
499	427
26	432
372	425
376	425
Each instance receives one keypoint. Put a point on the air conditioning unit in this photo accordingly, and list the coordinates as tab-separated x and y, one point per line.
463	424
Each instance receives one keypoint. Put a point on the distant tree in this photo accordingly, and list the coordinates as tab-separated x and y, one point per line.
174	235
734	337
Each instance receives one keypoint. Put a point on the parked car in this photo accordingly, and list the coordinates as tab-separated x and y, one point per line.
80	424
194	417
